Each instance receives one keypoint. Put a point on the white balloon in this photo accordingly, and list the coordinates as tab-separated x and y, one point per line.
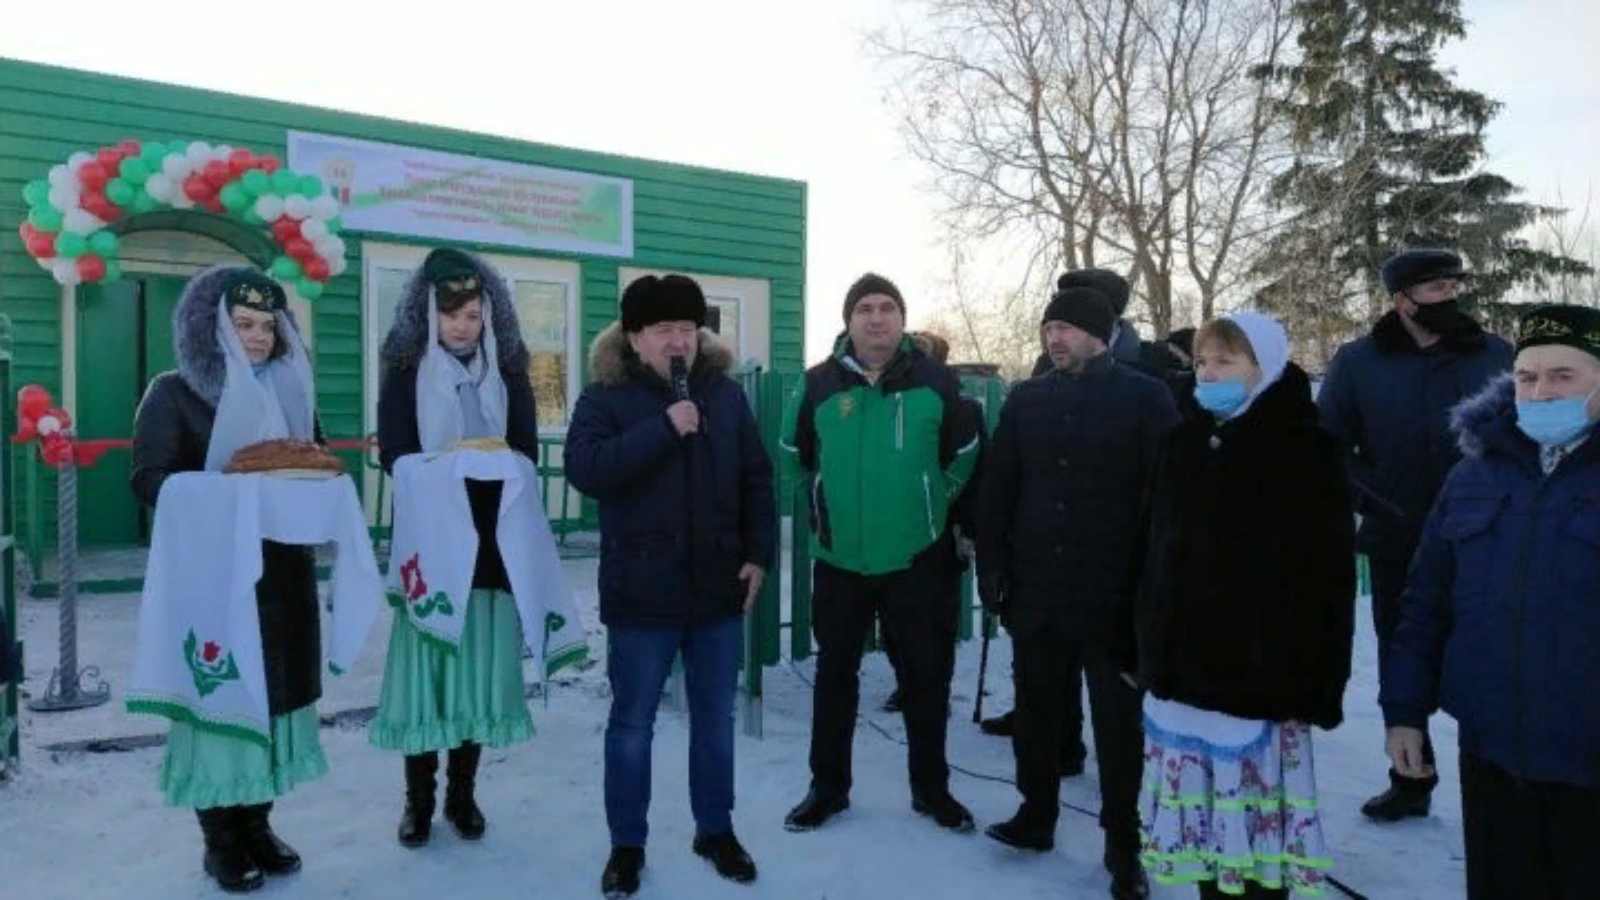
176	166
295	206
199	153
160	187
336	245
78	221
77	161
65	271
64	196
314	229
61	175
325	207
336	265
47	425
220	153
269	207
180	200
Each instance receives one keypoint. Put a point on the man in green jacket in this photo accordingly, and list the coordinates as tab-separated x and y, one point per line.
878	429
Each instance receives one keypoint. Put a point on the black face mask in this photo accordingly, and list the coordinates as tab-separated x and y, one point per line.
1440	318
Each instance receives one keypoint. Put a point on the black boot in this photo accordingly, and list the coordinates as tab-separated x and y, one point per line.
815	810
1003	725
267	849
227	861
1406	798
729	857
1128	881
945	810
416	823
460	809
621	877
1025	832
896	702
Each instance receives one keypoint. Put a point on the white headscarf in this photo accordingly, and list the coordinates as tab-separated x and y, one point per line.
1270	343
442	382
282	404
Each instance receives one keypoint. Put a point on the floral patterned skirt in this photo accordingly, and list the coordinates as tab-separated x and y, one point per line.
1233	817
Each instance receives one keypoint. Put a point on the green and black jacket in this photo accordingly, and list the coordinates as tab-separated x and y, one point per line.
886	459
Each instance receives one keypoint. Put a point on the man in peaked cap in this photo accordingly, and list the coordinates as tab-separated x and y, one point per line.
1388	397
1500	621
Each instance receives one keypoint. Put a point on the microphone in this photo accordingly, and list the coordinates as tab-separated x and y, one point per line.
680	377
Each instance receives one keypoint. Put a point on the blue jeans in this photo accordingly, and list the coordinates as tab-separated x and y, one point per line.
638	663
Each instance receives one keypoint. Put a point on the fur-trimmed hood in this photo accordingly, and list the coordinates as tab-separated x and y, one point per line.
201	364
610	352
408	336
1474	418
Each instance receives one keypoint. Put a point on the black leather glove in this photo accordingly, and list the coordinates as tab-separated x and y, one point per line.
994	594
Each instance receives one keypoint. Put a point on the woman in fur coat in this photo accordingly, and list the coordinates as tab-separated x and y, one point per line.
243	376
455	368
1244	623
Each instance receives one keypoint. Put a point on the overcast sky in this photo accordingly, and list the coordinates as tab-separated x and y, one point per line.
751	85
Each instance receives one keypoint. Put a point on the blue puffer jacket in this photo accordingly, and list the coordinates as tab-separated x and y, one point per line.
1501	618
678	518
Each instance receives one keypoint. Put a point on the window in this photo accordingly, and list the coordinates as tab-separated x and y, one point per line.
542	313
730	324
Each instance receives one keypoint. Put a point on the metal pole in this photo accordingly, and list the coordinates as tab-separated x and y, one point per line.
65	692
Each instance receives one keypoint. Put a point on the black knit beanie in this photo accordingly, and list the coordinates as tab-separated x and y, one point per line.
868	285
1085	308
1110	285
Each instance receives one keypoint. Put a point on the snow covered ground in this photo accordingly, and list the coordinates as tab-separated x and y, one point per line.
81	826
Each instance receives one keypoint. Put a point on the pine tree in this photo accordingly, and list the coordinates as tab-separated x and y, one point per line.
1389	153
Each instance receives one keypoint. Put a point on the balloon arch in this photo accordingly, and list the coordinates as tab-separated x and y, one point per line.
76	214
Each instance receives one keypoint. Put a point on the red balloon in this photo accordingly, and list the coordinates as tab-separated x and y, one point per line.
217	173
286	230
25	431
300	249
42	245
268	163
91	268
93	176
26	230
196	188
129	148
240	162
102	208
316	268
32	402
61	416
109	158
57	450
214	205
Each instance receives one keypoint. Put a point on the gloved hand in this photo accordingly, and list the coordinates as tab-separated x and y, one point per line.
994	594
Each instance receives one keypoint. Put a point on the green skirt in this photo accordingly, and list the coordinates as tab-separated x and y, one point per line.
436	697
204	769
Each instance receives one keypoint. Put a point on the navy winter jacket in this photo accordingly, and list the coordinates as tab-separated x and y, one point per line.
1500	623
679	517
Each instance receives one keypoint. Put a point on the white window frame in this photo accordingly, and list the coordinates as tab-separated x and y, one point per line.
736	341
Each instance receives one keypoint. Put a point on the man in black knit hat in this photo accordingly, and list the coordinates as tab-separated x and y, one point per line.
1061	514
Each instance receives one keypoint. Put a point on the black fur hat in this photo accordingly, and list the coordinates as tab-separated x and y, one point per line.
673	298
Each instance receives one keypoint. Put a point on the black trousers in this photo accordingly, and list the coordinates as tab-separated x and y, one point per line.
1045	657
1526	840
1388	584
916	610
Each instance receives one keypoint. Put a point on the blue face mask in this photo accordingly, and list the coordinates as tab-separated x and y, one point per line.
1221	397
1551	423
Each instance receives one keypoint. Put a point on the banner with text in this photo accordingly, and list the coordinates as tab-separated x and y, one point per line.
425	193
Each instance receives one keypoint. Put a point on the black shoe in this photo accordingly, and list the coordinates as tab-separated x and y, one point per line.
1024	834
729	858
1003	725
226	860
945	810
896	702
1405	799
1128	881
815	810
621	877
416	823
1072	766
460	807
267	849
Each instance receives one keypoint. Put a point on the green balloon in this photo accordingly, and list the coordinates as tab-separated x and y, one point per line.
45	218
311	186
37	193
249	217
285	182
119	191
308	289
143	202
256	182
113	271
135	171
104	243
70	246
234	198
335	225
285	269
153	153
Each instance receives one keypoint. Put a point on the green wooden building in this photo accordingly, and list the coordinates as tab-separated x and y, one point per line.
95	346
